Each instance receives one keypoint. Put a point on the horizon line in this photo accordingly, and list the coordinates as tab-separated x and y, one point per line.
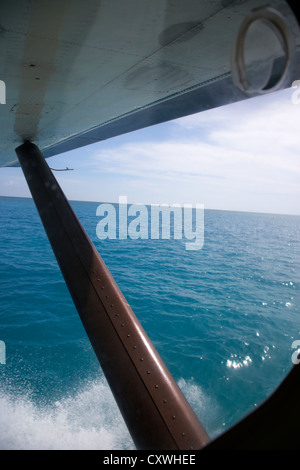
170	204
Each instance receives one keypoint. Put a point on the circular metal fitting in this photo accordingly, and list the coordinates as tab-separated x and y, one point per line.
274	20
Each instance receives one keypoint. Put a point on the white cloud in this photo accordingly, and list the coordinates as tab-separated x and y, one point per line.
243	151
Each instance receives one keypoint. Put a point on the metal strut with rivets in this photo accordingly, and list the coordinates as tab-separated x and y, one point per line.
154	409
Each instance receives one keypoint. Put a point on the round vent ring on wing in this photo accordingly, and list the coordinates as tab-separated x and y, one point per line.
262	53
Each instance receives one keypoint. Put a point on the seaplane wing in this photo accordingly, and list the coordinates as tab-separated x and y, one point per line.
74	73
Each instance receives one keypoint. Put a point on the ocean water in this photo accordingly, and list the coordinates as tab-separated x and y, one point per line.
223	318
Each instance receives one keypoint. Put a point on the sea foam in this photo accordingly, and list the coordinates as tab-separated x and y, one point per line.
88	420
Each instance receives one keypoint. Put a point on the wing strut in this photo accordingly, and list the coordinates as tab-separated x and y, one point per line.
153	407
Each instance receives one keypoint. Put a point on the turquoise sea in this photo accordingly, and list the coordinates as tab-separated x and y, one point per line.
223	318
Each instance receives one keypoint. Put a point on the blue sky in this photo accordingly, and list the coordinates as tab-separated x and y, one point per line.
243	156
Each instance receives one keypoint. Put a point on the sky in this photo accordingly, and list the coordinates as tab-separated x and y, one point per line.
242	157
